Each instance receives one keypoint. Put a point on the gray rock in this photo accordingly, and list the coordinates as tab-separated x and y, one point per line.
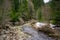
35	35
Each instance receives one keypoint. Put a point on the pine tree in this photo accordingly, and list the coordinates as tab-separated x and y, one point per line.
55	5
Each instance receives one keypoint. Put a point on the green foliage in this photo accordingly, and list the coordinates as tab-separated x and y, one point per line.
1	1
37	3
14	12
16	5
14	16
24	11
39	14
23	6
19	8
55	5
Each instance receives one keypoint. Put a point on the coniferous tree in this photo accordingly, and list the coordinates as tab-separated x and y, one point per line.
55	5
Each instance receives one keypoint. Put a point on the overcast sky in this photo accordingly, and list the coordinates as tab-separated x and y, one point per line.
45	1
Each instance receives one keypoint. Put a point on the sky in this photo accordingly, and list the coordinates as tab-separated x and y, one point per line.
46	1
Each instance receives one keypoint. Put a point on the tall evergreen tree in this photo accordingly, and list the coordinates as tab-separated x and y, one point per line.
55	5
37	8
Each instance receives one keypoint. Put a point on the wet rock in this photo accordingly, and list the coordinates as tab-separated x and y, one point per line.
35	35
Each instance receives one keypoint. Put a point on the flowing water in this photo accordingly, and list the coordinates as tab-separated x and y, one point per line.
35	35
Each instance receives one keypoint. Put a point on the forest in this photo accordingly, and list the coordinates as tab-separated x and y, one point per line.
29	20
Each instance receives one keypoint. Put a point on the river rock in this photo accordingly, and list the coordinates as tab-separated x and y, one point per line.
35	35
